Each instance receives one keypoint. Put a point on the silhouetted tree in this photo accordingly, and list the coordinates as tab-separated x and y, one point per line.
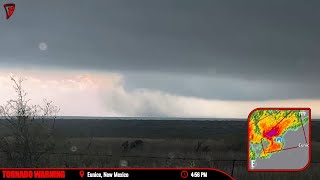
30	129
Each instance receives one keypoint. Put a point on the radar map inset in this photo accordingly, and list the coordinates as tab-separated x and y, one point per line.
278	139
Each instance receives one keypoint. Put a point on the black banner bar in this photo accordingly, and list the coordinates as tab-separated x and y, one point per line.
118	174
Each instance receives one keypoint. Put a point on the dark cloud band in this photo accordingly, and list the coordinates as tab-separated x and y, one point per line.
269	40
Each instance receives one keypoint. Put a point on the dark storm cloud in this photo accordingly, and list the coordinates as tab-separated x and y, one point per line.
253	40
222	88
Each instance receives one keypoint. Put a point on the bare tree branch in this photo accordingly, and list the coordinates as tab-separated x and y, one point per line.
30	128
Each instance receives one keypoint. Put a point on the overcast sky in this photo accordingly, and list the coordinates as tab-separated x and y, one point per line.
209	51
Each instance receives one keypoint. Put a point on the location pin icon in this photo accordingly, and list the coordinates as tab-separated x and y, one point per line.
81	174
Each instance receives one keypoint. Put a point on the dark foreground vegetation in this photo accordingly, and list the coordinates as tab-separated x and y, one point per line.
159	143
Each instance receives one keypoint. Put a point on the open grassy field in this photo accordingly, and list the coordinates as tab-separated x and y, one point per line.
217	144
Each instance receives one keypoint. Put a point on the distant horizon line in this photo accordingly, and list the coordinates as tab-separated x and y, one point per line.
141	117
150	118
147	118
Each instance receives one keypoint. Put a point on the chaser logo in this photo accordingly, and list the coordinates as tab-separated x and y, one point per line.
9	8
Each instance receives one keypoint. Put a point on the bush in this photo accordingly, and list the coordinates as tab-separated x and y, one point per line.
30	129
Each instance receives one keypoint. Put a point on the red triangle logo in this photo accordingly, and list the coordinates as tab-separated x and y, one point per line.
9	9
